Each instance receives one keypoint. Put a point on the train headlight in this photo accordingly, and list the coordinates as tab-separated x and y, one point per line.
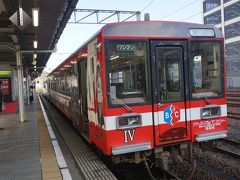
128	121
210	112
206	112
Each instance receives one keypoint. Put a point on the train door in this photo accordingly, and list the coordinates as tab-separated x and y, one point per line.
84	129
170	102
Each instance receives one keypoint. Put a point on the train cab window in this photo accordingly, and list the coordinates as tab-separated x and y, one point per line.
207	69
127	76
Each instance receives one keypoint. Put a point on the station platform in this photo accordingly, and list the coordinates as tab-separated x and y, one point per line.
26	151
38	149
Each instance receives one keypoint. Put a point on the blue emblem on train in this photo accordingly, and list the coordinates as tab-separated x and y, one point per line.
171	115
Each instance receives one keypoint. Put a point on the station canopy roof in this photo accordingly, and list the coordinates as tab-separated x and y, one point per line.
53	17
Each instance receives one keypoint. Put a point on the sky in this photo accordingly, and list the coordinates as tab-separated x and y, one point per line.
74	35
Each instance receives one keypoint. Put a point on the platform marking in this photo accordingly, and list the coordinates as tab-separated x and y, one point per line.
58	152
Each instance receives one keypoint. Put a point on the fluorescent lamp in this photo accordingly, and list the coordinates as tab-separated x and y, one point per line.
20	16
84	55
114	57
34	62
73	62
35	15
35	56
5	73
35	43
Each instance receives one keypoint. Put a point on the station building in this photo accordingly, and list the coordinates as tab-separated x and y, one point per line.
225	14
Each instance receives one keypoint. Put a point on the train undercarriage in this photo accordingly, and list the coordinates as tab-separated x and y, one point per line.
167	158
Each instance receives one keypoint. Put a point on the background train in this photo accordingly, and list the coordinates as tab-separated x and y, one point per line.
145	89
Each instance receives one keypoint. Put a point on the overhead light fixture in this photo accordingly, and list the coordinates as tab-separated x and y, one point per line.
20	15
84	55
35	67
34	62
35	15
35	56
73	62
114	57
35	43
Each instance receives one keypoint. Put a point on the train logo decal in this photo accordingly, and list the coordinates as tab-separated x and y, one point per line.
129	135
171	115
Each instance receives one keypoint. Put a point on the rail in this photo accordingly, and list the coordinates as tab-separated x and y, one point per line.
229	146
233	103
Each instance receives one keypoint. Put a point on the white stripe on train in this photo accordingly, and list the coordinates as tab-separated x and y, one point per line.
192	114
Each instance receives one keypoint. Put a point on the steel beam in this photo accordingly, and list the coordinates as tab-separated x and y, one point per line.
108	13
37	51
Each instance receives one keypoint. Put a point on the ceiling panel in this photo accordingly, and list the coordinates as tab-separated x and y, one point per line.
53	17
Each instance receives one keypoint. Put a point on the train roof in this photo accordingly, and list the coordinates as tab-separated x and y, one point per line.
155	29
151	29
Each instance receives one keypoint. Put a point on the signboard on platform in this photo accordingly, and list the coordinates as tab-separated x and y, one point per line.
5	86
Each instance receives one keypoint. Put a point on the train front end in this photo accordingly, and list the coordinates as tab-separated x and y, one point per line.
164	89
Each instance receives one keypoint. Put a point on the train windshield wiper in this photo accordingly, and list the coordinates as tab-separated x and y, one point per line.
123	104
207	100
205	97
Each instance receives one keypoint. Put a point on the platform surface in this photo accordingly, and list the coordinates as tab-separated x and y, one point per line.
19	147
21	154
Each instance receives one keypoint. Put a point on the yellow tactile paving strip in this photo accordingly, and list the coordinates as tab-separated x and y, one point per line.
50	169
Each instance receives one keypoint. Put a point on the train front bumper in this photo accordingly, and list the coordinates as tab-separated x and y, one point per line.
211	136
131	148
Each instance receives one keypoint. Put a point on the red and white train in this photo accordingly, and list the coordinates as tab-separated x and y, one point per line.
145	88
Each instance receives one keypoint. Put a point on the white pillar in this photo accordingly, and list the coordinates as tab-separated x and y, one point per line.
222	18
20	87
28	83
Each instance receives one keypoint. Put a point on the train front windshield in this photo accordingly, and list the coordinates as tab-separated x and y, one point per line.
207	69
128	79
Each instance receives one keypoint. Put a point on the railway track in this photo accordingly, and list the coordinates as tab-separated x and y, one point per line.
216	163
229	152
209	172
233	103
230	141
170	175
229	146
